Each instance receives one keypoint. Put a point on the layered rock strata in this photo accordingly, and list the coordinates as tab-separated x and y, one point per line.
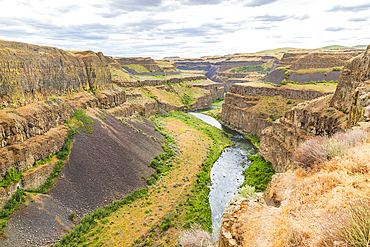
235	110
142	83
30	73
216	89
301	123
147	62
355	76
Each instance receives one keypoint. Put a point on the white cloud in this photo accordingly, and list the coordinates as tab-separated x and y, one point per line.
184	28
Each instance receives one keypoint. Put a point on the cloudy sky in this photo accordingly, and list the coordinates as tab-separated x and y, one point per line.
186	28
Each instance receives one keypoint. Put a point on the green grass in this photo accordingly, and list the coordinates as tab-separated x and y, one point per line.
138	68
255	140
11	205
198	208
258	174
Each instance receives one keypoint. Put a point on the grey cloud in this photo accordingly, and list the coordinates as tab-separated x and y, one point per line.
14	33
145	25
67	9
356	8
256	3
202	2
262	28
272	18
133	5
335	29
301	18
359	19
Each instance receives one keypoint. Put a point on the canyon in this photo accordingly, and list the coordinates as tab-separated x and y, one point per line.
267	95
277	217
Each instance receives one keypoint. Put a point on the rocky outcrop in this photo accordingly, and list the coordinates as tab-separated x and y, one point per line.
142	83
289	58
355	76
302	122
245	89
98	73
322	60
249	221
236	113
147	62
31	132
216	89
30	73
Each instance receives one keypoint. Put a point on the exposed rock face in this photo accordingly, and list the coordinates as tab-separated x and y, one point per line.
245	89
29	73
28	134
98	73
302	122
216	89
317	76
226	65
322	60
147	62
355	75
235	108
143	83
289	58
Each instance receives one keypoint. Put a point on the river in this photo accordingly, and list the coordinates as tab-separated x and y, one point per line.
226	173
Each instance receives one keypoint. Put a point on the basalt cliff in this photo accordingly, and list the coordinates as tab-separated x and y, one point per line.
306	206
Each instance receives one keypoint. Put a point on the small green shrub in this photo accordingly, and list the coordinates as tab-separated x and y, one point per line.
246	191
12	176
289	102
72	216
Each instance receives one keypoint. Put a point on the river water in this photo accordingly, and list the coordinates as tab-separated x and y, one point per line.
226	173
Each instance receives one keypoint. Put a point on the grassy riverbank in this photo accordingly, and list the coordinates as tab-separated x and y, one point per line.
177	200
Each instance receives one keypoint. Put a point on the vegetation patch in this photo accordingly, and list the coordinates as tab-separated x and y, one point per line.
321	149
12	176
137	67
218	102
255	140
11	205
258	174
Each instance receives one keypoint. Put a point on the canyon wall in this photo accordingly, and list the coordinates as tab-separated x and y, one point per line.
142	83
30	73
216	89
301	123
236	111
147	62
355	76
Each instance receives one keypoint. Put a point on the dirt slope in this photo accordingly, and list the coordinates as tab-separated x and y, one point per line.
103	167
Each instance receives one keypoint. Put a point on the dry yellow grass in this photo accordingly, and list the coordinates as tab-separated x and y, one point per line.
313	203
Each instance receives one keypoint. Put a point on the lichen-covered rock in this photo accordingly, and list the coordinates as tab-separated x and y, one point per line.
355	76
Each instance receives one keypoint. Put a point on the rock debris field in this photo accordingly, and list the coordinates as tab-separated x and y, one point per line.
103	167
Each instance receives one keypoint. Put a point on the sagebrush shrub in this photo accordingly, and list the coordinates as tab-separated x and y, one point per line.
334	148
320	149
310	152
196	237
